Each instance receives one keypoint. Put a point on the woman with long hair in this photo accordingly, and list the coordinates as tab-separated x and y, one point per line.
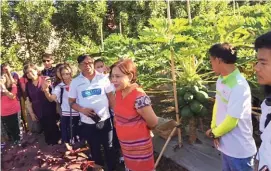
58	78
60	95
41	109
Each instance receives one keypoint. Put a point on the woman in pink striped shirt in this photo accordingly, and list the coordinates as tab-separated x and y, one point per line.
10	106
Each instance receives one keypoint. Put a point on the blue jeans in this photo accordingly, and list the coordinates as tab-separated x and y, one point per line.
237	164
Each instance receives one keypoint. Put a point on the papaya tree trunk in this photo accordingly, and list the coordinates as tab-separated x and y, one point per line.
201	124
192	130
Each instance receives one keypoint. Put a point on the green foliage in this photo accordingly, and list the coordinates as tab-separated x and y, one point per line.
70	28
26	30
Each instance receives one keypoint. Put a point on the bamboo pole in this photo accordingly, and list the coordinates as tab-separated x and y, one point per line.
173	73
164	147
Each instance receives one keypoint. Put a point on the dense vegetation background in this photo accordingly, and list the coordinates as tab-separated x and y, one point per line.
135	29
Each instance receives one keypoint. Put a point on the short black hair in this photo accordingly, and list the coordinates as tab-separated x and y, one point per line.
226	52
82	57
98	60
48	56
263	41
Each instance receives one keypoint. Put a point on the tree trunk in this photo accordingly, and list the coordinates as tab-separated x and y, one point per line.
189	12
102	37
192	130
120	27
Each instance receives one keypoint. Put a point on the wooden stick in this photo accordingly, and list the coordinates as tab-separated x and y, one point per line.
173	73
164	147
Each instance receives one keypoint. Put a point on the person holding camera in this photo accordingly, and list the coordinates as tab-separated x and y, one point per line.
69	118
10	106
41	110
91	94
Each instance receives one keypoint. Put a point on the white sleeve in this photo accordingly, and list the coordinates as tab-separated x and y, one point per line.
56	91
239	104
109	87
72	90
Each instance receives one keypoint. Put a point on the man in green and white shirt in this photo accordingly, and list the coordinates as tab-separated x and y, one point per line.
231	125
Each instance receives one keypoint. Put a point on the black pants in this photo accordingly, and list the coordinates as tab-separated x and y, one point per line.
97	137
11	126
66	127
50	129
116	142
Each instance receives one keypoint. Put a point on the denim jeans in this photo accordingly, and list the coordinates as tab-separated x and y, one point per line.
237	164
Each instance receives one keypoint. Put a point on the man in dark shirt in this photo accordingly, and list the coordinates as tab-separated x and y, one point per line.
48	61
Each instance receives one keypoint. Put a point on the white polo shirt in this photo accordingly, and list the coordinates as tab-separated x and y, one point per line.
92	94
233	97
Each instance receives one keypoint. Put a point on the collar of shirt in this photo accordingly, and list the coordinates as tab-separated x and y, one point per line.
93	79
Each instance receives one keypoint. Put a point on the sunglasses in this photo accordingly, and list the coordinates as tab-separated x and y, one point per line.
46	61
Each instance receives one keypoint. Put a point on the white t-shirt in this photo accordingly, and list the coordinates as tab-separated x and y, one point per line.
265	111
65	107
92	94
234	98
264	154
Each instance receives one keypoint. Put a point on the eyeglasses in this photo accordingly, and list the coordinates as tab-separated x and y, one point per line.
87	63
46	61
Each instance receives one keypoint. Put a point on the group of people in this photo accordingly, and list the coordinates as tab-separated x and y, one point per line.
101	106
106	107
231	126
